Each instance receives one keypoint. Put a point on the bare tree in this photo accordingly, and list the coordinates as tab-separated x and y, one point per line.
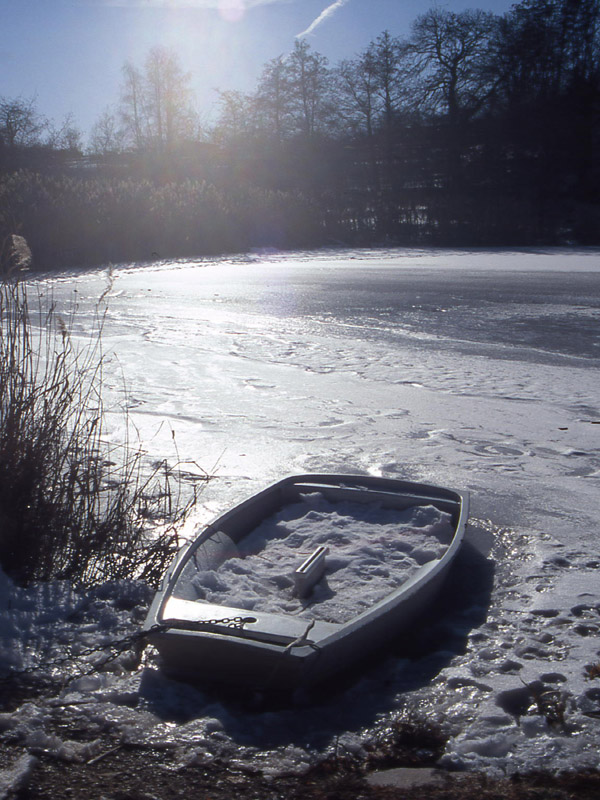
544	46
169	106
360	105
274	100
107	135
20	123
310	83
156	103
387	57
450	61
65	136
357	85
236	118
133	107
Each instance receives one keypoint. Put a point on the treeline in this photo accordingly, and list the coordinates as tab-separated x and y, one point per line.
476	129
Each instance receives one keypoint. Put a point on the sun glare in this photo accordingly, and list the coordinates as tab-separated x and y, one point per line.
232	10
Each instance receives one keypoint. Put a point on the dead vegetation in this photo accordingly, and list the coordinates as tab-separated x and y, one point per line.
132	773
73	505
592	671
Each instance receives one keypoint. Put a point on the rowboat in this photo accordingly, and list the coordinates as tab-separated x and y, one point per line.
258	598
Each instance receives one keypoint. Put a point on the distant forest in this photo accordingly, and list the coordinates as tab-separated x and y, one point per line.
475	130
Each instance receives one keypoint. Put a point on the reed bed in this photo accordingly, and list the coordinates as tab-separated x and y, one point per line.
72	505
75	221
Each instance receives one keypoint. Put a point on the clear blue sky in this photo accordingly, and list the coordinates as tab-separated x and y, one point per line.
69	53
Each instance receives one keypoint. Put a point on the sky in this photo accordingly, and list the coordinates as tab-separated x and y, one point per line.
68	54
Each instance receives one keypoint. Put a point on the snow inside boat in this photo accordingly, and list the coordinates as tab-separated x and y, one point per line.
304	579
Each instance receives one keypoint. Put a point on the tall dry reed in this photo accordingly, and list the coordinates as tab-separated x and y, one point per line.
72	505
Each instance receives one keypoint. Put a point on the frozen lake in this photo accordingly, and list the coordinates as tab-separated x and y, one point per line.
425	364
476	370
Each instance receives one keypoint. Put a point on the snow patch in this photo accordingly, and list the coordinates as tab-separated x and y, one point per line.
372	551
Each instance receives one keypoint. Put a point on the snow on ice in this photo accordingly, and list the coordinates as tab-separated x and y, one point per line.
476	370
372	551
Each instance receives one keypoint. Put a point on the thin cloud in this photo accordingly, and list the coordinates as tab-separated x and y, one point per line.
325	14
207	4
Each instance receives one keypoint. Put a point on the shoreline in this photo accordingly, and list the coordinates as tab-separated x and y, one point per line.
125	772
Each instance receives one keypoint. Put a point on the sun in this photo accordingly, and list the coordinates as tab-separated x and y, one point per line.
232	10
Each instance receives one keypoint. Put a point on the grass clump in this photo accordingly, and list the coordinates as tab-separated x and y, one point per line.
72	506
592	671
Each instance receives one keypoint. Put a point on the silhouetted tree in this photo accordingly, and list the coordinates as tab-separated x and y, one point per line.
375	90
236	120
65	136
156	103
358	100
544	45
107	135
387	55
359	106
309	82
548	93
475	129
450	61
274	100
168	100
132	106
21	125
29	140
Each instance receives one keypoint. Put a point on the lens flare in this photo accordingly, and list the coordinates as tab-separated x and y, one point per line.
232	10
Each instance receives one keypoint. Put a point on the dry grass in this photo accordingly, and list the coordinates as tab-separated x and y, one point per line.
592	671
72	505
129	773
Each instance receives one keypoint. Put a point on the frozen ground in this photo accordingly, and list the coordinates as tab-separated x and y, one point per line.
475	370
